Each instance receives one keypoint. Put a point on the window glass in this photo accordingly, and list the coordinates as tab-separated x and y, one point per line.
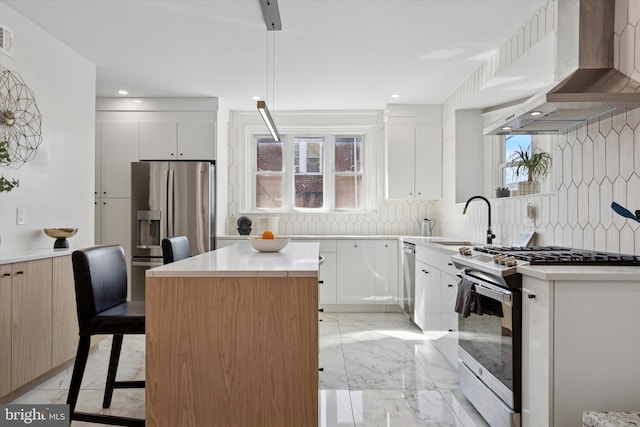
349	154
348	179
349	192
306	172
269	155
309	176
269	182
269	191
511	144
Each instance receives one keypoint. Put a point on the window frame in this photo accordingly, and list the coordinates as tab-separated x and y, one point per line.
538	142
247	166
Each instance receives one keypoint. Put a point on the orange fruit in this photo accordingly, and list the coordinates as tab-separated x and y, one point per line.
268	235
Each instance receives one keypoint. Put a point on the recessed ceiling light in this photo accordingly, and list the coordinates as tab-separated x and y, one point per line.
255	98
137	101
536	113
123	92
395	96
506	128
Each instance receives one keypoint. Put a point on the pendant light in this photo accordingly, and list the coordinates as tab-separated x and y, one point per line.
271	16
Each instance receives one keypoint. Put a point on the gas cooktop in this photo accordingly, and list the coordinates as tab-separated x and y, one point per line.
557	255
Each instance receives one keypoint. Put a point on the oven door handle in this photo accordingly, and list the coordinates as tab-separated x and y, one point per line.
503	297
491	291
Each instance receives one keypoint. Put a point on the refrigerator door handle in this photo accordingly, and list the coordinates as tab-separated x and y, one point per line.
170	199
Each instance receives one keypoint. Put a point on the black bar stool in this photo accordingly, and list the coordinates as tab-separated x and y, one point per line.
175	248
100	276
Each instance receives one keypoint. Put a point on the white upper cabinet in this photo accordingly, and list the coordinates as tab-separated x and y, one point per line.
196	140
414	153
119	147
181	140
158	140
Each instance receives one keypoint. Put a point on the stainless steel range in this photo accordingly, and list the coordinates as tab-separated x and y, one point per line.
490	320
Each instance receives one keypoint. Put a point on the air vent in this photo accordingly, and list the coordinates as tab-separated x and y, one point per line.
6	40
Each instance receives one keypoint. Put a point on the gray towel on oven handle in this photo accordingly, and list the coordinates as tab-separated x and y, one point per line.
465	297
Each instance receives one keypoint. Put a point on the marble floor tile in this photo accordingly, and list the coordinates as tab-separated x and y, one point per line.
379	370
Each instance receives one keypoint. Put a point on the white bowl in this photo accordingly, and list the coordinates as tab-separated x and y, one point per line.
269	245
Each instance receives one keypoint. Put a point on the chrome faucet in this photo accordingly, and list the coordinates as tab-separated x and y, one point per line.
490	235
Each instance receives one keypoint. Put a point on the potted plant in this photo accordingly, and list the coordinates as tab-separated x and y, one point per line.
502	192
535	165
6	185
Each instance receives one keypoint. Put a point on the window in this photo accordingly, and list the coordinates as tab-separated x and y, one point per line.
321	172
512	143
348	172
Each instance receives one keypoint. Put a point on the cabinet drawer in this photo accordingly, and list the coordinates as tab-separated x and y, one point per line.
436	258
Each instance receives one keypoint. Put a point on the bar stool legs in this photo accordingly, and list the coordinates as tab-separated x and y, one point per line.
76	381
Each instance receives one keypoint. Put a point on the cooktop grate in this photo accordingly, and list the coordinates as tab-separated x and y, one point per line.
558	255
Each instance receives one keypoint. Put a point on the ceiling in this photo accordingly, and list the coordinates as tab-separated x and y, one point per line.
330	54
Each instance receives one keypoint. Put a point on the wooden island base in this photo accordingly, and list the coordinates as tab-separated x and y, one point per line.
231	351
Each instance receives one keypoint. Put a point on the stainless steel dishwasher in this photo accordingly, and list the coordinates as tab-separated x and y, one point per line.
409	277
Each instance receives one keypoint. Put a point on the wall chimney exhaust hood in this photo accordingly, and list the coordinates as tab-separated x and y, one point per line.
589	85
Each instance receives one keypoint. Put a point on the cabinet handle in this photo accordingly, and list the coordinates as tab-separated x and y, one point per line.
321	310
531	296
320	282
104	203
419	193
172	154
6	275
411	194
321	369
181	154
451	330
104	192
19	272
449	286
355	245
449	264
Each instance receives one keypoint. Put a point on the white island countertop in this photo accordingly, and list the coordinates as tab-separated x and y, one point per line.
297	259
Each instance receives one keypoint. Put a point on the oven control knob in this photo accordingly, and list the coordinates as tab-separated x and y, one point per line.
464	250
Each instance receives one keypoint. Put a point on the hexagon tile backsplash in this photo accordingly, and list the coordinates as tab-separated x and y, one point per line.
596	164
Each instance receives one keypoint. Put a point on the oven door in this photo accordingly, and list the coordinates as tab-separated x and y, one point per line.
490	343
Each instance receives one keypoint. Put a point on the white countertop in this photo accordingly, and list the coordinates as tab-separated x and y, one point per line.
318	237
582	272
546	272
297	259
32	255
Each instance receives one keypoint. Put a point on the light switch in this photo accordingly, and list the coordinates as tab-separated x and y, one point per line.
20	216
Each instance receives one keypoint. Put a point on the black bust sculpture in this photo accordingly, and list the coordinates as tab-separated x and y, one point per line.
244	225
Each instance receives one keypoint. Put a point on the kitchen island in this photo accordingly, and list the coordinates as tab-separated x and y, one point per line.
232	338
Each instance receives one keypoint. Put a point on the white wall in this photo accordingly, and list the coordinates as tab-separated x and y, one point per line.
56	188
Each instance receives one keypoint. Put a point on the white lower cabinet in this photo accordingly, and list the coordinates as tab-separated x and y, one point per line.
328	280
367	271
436	292
355	272
579	349
427	311
536	353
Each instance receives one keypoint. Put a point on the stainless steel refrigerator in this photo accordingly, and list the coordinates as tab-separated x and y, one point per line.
169	199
